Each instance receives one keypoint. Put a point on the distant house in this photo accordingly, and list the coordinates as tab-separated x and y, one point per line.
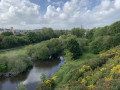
1	30
6	30
20	31
11	30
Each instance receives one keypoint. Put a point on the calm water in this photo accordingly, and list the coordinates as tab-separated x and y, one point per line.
32	78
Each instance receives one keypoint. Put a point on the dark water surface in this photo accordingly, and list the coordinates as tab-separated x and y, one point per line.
32	78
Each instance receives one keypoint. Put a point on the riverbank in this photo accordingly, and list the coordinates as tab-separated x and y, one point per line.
89	72
65	74
31	78
14	74
14	62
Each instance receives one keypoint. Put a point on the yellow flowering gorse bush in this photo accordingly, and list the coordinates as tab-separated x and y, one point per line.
102	69
90	87
83	81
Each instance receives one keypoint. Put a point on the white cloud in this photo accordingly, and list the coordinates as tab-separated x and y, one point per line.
15	12
76	12
23	13
58	3
49	0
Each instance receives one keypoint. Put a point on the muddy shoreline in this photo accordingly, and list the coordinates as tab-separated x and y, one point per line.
14	74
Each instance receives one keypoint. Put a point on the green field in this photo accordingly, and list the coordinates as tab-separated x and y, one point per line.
13	51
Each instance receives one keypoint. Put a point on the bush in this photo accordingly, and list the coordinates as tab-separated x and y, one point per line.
18	63
96	62
78	32
74	48
68	55
3	64
102	44
43	77
49	84
21	87
7	33
44	50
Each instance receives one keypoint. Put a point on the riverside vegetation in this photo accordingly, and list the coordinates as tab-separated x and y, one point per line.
92	57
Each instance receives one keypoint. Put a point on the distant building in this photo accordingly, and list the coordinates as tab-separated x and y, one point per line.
15	31
1	30
6	30
21	31
11	30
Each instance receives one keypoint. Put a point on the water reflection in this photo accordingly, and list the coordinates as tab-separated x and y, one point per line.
32	78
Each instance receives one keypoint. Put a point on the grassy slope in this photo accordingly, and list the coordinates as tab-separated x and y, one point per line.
105	76
64	74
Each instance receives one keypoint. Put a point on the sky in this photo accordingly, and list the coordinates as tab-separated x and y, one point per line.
58	14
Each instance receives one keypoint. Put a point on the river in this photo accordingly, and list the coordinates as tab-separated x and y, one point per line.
31	78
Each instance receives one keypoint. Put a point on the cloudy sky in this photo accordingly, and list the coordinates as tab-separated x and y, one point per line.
58	14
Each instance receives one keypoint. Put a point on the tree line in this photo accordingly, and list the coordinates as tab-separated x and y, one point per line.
96	39
10	40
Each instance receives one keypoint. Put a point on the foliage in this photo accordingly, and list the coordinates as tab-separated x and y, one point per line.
101	31
114	28
21	87
68	55
8	40
3	64
13	41
18	63
44	50
102	44
48	33
14	63
78	32
7	33
1	37
49	84
83	42
117	39
74	48
43	77
32	36
90	34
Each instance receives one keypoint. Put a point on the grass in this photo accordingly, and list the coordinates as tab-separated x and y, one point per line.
13	51
64	75
105	76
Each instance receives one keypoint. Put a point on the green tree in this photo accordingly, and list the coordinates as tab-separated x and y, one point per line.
48	33
78	32
1	37
117	39
9	42
54	46
41	52
102	43
101	31
89	34
114	28
7	33
32	36
74	48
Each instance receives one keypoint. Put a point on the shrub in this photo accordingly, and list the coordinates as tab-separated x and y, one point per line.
3	64
74	48
18	63
21	87
43	77
49	84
